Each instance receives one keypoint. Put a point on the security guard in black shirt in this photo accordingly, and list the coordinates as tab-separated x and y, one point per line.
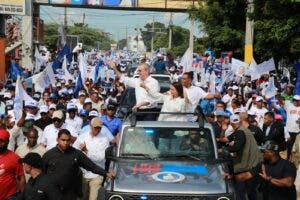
277	175
39	186
63	164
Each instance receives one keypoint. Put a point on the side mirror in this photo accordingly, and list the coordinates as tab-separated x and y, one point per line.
110	152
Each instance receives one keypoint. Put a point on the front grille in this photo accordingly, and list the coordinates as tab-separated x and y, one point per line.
169	197
165	197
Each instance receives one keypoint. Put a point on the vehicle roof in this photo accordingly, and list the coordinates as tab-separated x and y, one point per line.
173	124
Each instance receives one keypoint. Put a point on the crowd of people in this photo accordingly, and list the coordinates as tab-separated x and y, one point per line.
56	148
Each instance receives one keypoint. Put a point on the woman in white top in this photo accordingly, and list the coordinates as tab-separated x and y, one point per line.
173	101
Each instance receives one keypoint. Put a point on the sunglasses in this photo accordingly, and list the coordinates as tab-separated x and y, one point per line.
56	120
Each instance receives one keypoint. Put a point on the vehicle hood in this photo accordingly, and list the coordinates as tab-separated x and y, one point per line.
169	177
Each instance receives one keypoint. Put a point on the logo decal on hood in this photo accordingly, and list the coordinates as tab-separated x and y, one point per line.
168	177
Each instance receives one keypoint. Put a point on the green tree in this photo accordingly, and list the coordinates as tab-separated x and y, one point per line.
90	37
122	43
223	22
180	38
276	29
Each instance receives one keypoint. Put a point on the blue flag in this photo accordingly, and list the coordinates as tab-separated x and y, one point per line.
65	51
297	85
99	65
79	85
15	71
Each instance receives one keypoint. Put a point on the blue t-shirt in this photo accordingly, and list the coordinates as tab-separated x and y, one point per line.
113	125
160	66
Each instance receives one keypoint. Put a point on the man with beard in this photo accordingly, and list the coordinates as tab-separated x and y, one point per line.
277	175
11	171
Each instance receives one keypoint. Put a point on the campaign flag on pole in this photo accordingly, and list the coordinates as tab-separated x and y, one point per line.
239	67
212	83
262	68
79	84
65	51
20	96
15	71
271	89
81	66
39	60
297	86
67	76
187	61
99	65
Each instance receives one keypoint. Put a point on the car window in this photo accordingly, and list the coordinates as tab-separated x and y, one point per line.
167	142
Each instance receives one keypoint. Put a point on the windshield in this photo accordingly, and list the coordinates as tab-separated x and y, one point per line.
167	142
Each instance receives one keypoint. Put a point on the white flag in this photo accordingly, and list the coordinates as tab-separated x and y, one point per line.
81	66
67	75
212	83
187	61
263	68
39	60
20	96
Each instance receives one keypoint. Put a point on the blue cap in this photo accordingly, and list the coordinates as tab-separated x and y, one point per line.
220	112
53	96
83	113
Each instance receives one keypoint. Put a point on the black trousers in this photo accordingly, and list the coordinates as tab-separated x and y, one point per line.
290	143
247	188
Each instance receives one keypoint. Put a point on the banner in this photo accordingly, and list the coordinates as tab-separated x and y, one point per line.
264	67
238	67
187	61
14	7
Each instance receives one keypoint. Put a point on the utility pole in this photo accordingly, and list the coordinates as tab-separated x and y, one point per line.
65	19
170	30
137	39
126	35
249	34
83	18
152	36
191	42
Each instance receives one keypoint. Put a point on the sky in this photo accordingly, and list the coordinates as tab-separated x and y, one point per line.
113	21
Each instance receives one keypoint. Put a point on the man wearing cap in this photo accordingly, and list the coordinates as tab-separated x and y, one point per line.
72	119
32	108
293	115
276	174
49	135
80	100
217	125
256	131
45	119
159	64
12	177
40	186
243	144
93	144
96	101
227	98
113	123
259	111
63	164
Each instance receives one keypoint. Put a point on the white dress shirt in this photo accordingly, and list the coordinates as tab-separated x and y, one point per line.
76	123
141	94
96	146
170	105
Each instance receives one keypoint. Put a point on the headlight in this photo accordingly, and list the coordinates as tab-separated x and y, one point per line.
223	198
115	197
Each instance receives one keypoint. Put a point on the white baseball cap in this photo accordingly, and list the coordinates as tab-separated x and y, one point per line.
44	109
235	119
31	104
71	106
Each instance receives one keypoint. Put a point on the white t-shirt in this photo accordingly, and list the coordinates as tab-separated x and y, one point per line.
76	123
194	95
260	113
293	114
227	99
